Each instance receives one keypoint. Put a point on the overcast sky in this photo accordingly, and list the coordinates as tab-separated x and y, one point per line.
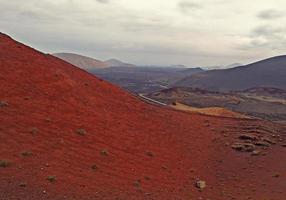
146	32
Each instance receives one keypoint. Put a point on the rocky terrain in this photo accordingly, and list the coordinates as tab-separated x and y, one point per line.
266	103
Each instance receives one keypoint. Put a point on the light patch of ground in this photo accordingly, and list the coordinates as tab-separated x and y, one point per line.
267	99
212	111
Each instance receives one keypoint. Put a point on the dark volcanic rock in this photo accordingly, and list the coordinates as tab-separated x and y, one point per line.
248	137
244	147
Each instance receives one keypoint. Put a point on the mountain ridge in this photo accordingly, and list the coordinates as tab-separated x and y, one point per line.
81	61
264	73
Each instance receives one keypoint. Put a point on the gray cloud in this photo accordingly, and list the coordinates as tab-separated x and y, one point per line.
270	14
266	31
103	1
188	7
267	37
191	32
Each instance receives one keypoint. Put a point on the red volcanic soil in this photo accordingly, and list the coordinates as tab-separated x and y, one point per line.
65	134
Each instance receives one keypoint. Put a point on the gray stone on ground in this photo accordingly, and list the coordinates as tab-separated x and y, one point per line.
201	184
244	147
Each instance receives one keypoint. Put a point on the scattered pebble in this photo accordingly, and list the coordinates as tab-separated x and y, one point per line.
201	184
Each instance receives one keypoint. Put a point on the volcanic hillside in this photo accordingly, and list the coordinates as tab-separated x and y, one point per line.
266	73
66	134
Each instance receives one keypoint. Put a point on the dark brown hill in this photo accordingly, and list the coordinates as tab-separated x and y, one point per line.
266	73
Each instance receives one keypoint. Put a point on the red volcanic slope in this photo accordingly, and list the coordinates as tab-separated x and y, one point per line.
130	150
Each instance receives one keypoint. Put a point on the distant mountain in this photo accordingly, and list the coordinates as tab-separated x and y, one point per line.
117	63
233	65
193	70
166	66
178	66
144	79
80	61
88	63
223	66
266	73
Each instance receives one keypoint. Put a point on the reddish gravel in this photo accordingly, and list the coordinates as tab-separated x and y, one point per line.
99	142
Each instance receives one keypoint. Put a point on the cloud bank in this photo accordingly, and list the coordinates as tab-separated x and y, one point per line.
190	32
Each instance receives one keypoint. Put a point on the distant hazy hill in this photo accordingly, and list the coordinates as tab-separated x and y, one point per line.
85	62
266	73
144	79
233	65
80	61
167	66
117	63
